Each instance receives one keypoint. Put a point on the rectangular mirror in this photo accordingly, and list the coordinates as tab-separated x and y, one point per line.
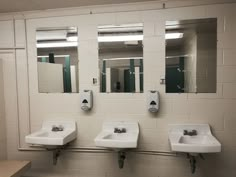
191	56
57	60
121	58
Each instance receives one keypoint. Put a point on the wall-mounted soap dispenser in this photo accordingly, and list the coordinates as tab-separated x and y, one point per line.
153	100
86	100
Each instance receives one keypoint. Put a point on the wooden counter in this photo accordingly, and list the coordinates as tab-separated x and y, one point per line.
13	168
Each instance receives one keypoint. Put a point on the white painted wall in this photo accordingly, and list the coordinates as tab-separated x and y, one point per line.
217	109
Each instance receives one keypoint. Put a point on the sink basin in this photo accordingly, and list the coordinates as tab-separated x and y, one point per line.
53	133
202	142
194	139
109	139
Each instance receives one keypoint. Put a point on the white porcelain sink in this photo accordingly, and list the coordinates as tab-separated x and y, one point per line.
53	133
111	139
202	142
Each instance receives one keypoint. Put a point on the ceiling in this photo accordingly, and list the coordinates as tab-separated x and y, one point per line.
29	5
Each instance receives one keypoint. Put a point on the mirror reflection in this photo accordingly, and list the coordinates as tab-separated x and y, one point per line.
57	60
191	56
121	58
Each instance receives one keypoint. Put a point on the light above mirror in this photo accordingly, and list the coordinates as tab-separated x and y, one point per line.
115	39
120	38
56	37
72	39
173	35
57	44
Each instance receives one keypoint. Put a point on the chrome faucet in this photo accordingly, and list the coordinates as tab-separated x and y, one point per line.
57	128
190	133
119	130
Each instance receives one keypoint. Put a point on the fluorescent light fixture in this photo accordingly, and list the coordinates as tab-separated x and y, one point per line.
72	38
119	28
177	56
120	38
127	58
57	44
174	35
56	56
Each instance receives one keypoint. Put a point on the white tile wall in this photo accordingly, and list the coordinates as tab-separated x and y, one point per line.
217	109
2	116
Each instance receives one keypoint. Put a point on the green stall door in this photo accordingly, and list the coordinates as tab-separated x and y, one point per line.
67	76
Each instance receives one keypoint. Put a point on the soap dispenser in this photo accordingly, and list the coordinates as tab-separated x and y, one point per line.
153	100
86	100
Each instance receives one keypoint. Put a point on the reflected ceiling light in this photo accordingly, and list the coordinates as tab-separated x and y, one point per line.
174	35
178	56
121	26
118	28
120	38
72	38
55	56
125	58
57	44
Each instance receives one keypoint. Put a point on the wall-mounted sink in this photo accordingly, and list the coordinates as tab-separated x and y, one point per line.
118	134
193	138
53	133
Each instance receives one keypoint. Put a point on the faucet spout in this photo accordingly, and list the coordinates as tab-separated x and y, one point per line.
190	133
119	130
